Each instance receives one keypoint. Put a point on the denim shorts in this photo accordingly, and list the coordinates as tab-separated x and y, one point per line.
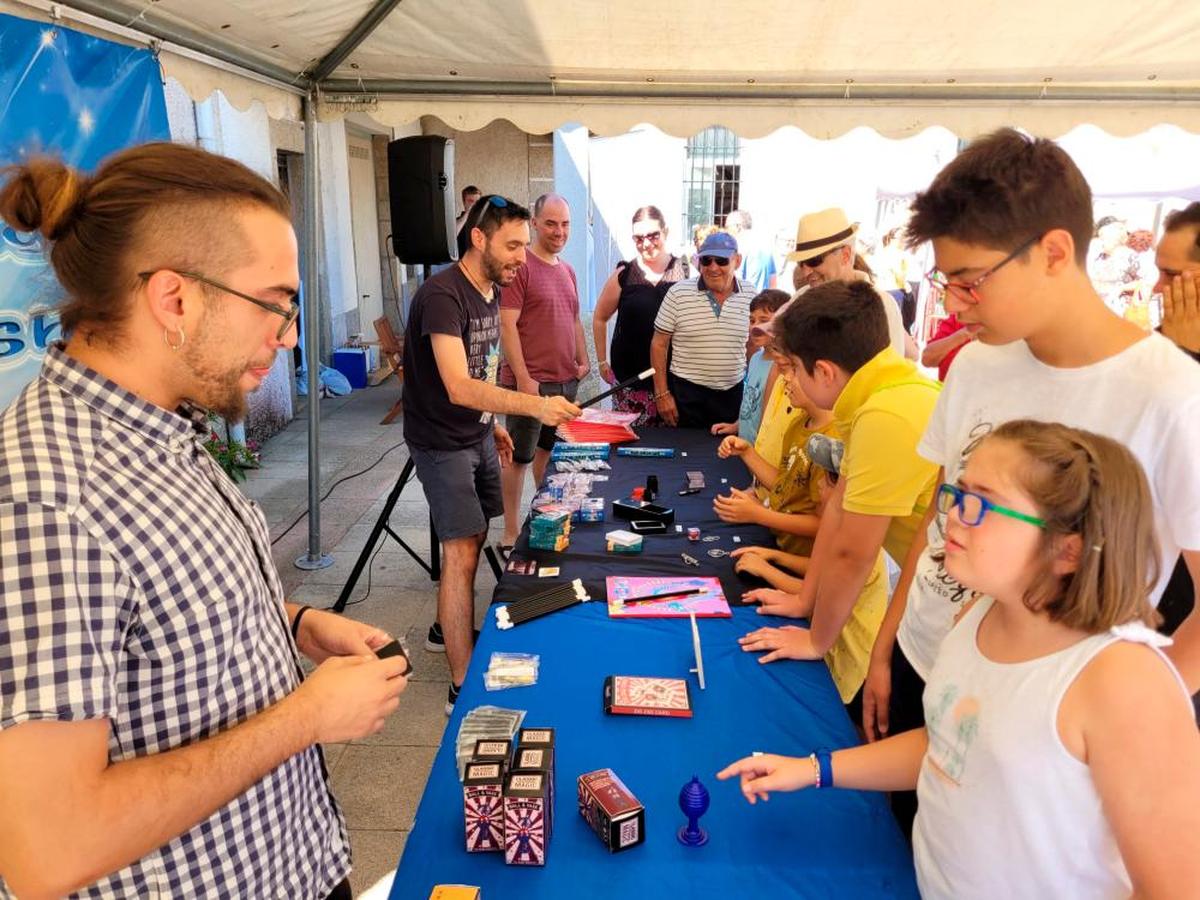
461	486
528	432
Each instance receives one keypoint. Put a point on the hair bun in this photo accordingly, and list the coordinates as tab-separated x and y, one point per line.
43	195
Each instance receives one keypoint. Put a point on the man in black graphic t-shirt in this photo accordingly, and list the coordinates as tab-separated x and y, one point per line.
451	354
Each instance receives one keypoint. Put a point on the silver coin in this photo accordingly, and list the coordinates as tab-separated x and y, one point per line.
717	553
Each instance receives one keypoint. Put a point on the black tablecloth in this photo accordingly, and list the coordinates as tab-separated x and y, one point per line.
587	557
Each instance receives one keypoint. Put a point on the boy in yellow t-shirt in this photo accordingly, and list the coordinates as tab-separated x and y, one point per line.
836	338
793	513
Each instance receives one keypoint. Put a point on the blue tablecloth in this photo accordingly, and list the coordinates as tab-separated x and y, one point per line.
810	844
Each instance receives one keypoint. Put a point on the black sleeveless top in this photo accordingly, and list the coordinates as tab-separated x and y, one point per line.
637	308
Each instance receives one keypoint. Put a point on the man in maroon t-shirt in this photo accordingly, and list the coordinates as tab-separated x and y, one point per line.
543	344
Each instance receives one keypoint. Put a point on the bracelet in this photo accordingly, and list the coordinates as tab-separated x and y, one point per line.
603	363
660	396
296	622
812	758
824	760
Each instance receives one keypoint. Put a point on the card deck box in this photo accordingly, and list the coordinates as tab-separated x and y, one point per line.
526	818
636	695
535	738
483	806
455	892
539	759
616	816
498	749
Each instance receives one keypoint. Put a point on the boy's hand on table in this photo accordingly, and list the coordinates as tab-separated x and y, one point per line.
786	642
772	602
732	445
739	507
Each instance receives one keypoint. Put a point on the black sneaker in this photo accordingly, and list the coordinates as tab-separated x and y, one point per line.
452	697
435	641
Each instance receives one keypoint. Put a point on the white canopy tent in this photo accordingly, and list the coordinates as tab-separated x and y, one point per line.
753	67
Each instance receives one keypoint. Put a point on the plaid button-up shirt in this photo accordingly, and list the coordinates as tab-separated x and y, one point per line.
138	587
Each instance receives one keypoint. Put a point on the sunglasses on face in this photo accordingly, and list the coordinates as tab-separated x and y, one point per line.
714	261
815	261
973	507
289	314
650	237
969	290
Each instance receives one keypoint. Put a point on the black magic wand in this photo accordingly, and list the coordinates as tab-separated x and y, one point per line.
616	387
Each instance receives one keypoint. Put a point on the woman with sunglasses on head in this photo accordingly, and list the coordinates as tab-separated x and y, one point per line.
634	292
1060	756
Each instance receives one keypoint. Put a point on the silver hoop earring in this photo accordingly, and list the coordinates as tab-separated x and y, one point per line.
182	339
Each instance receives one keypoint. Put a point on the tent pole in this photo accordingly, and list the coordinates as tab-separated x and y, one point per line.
347	45
313	559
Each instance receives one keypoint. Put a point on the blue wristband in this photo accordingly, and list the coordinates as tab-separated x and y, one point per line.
825	764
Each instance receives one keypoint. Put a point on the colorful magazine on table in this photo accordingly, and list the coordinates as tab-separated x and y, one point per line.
708	603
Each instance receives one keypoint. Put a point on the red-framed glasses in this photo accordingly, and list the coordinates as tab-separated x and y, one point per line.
968	290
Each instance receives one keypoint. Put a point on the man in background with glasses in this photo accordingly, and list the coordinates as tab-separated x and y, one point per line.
704	323
825	251
1010	220
451	357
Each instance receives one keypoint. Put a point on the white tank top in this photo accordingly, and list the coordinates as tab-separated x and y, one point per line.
1004	809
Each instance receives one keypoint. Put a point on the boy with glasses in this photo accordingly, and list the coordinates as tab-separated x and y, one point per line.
1010	220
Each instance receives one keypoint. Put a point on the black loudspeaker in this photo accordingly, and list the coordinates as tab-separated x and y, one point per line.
421	183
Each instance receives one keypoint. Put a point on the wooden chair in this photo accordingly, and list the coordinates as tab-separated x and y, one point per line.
392	349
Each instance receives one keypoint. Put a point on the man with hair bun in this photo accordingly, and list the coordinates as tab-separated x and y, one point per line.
157	736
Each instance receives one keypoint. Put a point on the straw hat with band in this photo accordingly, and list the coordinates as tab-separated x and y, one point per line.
822	231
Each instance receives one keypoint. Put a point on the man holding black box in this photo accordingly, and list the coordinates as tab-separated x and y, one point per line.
451	356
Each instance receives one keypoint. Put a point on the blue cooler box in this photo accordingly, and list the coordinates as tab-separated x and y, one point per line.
352	362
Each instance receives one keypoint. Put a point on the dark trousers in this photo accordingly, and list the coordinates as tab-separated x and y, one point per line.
906	711
702	407
341	892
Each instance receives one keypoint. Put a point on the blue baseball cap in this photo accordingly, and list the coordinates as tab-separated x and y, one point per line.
719	243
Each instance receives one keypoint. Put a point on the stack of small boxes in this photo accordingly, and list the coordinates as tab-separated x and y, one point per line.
508	798
550	529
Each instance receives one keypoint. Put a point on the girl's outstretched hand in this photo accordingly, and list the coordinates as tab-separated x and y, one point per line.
766	772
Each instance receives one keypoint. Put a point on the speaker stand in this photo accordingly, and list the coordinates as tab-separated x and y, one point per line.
383	525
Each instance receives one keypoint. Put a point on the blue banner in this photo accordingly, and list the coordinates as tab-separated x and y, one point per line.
80	98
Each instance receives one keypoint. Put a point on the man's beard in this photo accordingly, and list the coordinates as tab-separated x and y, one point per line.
493	269
218	390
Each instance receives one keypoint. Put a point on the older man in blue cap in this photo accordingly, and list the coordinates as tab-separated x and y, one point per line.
704	322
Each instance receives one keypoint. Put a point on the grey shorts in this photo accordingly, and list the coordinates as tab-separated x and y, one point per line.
527	432
461	486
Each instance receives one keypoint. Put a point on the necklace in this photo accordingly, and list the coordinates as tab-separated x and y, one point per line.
471	278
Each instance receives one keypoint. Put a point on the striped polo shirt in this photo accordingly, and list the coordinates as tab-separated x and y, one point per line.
708	339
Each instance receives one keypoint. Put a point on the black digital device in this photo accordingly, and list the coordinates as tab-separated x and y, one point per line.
395	648
648	526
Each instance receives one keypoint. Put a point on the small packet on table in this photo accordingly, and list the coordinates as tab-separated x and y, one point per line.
509	670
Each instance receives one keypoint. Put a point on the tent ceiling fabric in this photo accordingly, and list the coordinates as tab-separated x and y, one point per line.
824	67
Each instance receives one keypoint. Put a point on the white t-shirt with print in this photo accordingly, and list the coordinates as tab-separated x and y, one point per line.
1147	397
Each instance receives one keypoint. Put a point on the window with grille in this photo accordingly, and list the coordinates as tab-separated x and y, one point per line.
712	177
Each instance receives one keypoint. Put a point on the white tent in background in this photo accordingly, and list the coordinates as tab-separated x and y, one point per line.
825	68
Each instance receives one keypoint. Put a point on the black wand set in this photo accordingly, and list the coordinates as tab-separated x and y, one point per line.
548	601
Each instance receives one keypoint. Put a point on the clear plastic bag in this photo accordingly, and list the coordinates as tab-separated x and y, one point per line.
509	670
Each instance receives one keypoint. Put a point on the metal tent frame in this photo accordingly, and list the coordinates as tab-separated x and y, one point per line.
141	20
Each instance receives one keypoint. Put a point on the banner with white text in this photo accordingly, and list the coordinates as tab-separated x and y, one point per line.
80	98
